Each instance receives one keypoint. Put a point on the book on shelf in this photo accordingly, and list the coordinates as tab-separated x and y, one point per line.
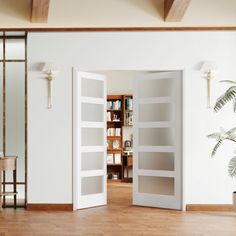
110	159
128	103
114	132
108	116
129	118
117	158
114	105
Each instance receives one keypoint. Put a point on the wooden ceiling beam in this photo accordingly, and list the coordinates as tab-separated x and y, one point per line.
174	10
39	11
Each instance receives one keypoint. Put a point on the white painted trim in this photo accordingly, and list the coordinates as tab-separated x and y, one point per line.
184	135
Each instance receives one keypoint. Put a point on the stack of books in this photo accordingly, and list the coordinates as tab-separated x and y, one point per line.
114	105
114	158
113	131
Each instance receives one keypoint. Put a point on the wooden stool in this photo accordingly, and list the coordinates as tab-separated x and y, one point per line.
8	164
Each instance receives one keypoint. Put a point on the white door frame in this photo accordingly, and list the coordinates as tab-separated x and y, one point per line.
183	97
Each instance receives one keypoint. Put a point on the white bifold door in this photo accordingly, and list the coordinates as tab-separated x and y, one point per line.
89	140
157	173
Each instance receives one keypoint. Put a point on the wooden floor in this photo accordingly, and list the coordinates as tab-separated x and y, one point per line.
117	218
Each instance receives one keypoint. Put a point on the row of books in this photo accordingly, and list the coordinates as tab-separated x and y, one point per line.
114	105
114	158
114	132
129	118
128	103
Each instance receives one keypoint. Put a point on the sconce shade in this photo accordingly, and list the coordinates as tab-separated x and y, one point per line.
49	67
209	66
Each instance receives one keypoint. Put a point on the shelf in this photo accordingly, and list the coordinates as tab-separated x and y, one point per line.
114	164
128	110
118	149
114	137
113	110
127	125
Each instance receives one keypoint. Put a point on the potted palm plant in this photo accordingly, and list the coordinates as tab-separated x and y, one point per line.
220	137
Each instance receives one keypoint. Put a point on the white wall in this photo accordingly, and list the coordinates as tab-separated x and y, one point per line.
50	131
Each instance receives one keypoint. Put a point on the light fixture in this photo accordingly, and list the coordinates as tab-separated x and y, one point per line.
209	69
50	70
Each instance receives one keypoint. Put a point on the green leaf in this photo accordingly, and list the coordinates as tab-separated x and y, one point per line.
228	96
232	167
216	147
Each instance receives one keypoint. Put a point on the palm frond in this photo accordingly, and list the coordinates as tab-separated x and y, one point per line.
216	148
214	135
231	134
232	167
234	104
228	96
228	81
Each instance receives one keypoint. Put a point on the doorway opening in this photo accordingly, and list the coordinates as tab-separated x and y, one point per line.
128	138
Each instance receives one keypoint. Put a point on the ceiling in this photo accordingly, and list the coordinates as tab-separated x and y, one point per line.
116	13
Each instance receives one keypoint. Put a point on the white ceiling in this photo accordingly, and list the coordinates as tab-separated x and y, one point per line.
117	13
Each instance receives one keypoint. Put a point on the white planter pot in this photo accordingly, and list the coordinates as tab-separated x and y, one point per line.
234	200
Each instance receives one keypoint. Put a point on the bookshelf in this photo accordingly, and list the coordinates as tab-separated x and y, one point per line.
119	115
114	137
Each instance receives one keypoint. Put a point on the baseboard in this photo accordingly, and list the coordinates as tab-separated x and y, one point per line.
49	207
209	207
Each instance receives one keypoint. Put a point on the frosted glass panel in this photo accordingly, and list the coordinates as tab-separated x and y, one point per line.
15	49
92	112
1	49
1	109
156	161
155	112
156	137
155	88
92	161
92	185
156	185
15	115
92	137
92	88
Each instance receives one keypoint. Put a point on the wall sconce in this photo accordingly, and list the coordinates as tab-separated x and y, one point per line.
209	69
50	70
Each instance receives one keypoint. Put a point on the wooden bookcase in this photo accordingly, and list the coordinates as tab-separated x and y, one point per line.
119	114
114	137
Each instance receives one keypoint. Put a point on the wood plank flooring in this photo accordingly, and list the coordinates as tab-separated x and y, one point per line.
119	217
